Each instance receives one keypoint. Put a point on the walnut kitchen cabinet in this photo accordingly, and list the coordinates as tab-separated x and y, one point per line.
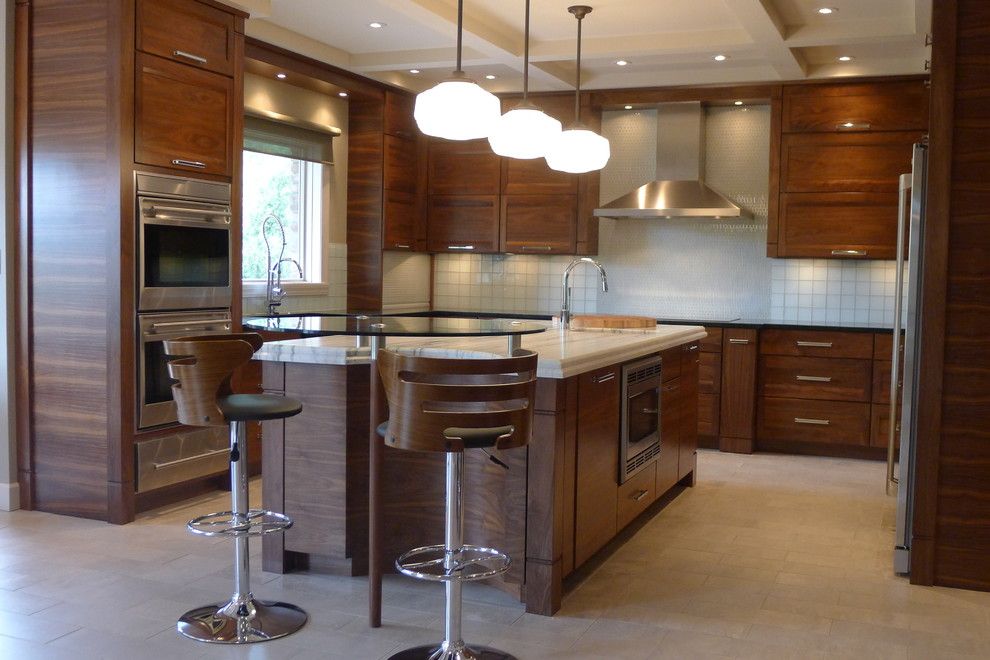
738	392
196	34
463	207
671	416
538	224
596	482
687	453
403	210
839	151
709	387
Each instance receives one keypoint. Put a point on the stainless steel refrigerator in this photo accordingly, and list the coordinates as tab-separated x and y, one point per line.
901	465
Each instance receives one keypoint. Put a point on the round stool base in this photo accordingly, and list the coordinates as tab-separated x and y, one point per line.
433	652
270	621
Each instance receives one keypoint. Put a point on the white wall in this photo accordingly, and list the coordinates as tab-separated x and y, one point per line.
9	499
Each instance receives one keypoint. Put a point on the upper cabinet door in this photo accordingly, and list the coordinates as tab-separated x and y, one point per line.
855	162
187	32
183	117
463	168
534	177
400	164
399	119
898	106
539	224
462	223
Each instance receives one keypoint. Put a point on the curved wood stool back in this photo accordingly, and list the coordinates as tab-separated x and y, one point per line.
429	398
204	369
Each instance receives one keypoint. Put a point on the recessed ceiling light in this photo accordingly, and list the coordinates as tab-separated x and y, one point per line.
490	77
377	25
342	94
845	58
628	107
621	62
280	75
414	71
738	103
720	58
825	11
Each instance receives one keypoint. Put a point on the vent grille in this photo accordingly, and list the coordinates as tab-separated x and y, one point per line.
642	458
643	373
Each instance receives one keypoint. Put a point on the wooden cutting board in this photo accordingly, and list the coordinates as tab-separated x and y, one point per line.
587	321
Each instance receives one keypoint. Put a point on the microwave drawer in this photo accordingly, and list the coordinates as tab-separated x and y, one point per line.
808	420
181	456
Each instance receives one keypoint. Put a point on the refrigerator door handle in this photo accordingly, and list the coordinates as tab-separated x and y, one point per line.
903	212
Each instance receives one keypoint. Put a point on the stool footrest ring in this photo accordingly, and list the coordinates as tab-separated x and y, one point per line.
257	522
469	562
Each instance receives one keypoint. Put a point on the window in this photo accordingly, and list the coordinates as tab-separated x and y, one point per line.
285	204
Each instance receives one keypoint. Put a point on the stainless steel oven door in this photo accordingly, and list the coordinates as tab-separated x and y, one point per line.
155	404
640	422
184	249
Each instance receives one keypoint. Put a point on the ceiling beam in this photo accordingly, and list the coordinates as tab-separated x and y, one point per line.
767	30
628	47
843	33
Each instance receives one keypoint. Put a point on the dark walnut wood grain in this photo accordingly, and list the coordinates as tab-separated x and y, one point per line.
712	342
400	219
687	453
399	120
365	186
597	461
876	106
816	224
816	378
463	168
817	343
853	162
187	32
539	224
534	177
808	420
182	115
738	394
636	495
671	414
400	164
463	223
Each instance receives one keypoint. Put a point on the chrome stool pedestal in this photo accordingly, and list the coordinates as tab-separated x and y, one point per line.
243	619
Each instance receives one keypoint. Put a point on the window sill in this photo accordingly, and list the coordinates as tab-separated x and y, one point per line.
259	289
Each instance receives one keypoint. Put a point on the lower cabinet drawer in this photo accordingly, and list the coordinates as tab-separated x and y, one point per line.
806	420
636	494
816	378
708	415
817	343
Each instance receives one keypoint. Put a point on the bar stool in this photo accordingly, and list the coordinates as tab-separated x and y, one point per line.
449	405
203	369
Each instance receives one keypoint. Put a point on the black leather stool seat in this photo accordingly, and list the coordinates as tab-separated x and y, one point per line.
472	438
257	407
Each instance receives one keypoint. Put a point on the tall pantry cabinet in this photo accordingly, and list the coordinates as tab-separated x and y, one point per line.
104	89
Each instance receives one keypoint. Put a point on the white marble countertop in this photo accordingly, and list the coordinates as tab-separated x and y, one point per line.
562	353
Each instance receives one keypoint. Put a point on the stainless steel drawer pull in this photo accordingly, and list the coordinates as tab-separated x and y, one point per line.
460	247
604	378
179	324
814	344
849	253
650	411
692	348
189	56
640	495
807	420
853	125
197	457
738	341
189	163
401	246
536	248
815	379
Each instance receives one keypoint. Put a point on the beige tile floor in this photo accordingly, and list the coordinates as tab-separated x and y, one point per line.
768	557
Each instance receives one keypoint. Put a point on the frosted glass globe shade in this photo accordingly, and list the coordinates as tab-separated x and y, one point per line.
457	110
577	151
524	133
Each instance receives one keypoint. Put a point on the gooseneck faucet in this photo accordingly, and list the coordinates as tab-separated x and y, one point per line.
274	293
565	309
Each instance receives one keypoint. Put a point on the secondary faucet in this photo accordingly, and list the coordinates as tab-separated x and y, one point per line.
565	309
275	291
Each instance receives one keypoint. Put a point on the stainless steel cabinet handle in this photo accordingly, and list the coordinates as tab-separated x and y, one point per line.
189	163
189	56
173	324
650	411
849	253
692	348
807	420
852	125
640	495
460	247
815	379
401	245
738	341
814	344
604	378
536	248
198	457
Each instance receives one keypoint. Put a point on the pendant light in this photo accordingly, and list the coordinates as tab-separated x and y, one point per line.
457	109
578	149
525	131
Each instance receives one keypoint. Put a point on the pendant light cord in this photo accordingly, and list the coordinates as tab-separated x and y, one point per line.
577	87
460	30
526	57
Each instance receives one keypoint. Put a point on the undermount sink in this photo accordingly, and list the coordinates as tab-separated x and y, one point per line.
611	322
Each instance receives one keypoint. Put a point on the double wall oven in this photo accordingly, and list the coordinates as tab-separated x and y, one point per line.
183	288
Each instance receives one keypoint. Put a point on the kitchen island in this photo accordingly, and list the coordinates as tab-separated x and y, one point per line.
558	502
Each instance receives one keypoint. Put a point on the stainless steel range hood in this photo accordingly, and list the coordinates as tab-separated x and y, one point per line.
679	190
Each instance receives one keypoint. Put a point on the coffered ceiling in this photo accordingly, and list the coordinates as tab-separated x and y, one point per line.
665	42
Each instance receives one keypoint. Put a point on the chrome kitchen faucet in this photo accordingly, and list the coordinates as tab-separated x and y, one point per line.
565	308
